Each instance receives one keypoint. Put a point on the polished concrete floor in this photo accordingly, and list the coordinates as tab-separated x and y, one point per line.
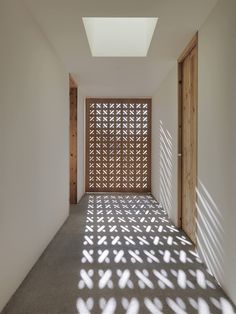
119	254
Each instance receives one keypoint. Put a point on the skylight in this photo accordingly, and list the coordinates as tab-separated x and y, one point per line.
119	36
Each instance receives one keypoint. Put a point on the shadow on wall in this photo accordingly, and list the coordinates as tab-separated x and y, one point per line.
166	148
210	232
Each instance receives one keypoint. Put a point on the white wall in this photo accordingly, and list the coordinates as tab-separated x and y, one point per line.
216	143
164	144
34	145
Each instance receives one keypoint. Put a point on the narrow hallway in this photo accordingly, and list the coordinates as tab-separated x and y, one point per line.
119	253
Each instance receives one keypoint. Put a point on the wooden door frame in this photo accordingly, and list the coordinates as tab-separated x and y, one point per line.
192	44
73	139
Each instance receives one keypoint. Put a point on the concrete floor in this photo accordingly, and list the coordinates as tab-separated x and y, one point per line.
119	254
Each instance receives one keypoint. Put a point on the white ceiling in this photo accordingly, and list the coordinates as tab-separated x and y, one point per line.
61	22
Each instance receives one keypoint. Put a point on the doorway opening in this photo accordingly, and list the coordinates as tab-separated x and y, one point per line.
187	141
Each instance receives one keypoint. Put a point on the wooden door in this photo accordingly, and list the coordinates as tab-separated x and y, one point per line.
189	142
73	142
118	145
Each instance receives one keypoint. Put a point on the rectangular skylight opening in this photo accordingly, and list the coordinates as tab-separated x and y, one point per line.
119	36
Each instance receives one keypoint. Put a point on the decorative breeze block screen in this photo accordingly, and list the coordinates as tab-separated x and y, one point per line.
118	145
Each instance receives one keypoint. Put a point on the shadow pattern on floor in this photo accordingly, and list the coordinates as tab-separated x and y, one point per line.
119	253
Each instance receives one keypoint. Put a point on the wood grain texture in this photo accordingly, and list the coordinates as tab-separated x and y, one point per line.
179	217
72	82
189	143
118	145
192	44
73	145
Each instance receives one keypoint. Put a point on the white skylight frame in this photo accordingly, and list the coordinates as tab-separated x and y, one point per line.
119	36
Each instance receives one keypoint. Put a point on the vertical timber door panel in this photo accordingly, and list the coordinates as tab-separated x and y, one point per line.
73	145
118	145
189	143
